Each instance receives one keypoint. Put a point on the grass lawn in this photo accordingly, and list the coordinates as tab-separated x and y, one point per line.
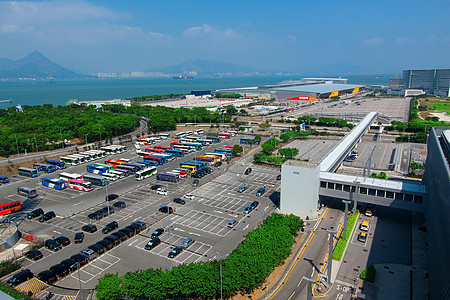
436	104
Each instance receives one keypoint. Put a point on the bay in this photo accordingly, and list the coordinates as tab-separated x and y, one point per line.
58	92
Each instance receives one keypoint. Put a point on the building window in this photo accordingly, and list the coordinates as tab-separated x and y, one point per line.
408	197
398	196
417	199
323	184
346	188
363	190
353	189
380	193
338	187
389	195
331	185
372	192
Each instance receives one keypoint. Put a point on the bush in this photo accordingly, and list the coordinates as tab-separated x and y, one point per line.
341	244
7	267
13	293
369	274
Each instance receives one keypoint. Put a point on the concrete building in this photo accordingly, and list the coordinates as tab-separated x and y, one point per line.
431	81
98	103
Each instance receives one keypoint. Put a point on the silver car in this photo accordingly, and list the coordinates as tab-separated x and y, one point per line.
187	242
232	223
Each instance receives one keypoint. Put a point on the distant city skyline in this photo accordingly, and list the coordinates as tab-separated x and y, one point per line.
309	37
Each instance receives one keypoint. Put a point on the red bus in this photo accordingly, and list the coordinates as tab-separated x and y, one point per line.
114	162
176	144
228	146
162	148
224	135
10	207
158	160
154	150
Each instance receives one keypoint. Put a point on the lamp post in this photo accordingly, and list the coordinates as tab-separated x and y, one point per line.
330	253
346	202
309	289
79	280
62	141
85	137
219	257
356	196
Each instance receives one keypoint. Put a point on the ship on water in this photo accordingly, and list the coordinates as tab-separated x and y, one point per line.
182	77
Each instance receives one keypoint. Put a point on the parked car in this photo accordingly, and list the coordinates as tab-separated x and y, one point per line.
33	254
165	209
79	237
80	258
52	245
155	187
122	236
179	201
362	237
111	197
260	192
254	204
110	227
218	164
189	196
232	223
195	182
162	191
279	177
108	209
133	228
369	210
248	209
89	253
113	239
248	171
20	277
47	276
97	248
129	232
139	224
119	205
35	213
187	242
242	188
95	216
59	270
106	244
175	251
90	228
157	232
64	241
152	243
47	216
70	264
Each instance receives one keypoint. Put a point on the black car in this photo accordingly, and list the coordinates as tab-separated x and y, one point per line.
111	197
47	216
110	227
113	239
80	258
79	237
34	254
279	177
122	236
90	228
165	209
134	228
254	204
103	213
218	164
35	213
109	209
52	245
95	216
155	187
152	243
175	251
179	201
157	232
64	241
97	248
140	224
70	264
248	171
119	205
20	277
127	231
106	244
60	270
47	276
195	182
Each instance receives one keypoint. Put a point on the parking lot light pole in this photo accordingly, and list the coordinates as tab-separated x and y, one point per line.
346	202
355	203
330	252
79	280
309	289
220	260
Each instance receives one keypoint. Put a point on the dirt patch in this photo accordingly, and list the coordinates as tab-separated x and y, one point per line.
12	168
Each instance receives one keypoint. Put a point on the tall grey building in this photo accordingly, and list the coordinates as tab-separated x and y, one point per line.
433	81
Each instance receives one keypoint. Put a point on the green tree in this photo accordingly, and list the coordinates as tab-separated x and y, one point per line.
237	150
109	287
258	138
231	110
289	152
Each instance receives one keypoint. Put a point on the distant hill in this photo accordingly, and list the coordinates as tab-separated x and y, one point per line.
35	66
204	67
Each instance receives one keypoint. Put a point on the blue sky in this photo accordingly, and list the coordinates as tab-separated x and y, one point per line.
302	36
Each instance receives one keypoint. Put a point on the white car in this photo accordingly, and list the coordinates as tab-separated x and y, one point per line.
189	196
162	192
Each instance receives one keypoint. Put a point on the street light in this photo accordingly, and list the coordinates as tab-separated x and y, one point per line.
85	137
330	253
220	260
346	202
309	289
356	196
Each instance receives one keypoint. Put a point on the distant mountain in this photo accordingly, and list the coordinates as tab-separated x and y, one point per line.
35	66
204	67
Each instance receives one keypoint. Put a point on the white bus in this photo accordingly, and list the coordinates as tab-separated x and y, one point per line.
145	173
120	174
73	161
81	159
164	136
67	176
222	156
110	176
199	131
233	133
180	135
87	158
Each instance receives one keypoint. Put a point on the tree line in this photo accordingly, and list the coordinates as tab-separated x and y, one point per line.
44	127
245	269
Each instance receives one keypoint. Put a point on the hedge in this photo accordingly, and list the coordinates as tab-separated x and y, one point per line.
341	244
369	274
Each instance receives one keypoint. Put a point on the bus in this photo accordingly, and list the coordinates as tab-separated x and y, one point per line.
220	156
204	142
194	163
161	147
109	150
81	159
167	156
110	176
27	192
228	146
60	164
175	143
185	149
80	185
164	136
168	177
215	139
180	135
154	150
28	172
191	169
227	151
109	167
224	135
99	153
148	163
197	146
145	173
68	176
132	170
135	167
118	173
96	169
144	141
177	153
199	131
4	179
10	207
46	168
191	124
211	160
53	183
181	172
95	179
73	161
119	148
92	156
114	162
124	172
233	133
158	160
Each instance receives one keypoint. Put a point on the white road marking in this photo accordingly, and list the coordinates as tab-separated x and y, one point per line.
78	203
291	295
179	229
192	233
312	273
218	211
57	232
246	227
132	242
265	208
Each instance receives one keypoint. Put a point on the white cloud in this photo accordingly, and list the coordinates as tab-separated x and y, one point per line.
206	30
373	41
292	38
194	32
